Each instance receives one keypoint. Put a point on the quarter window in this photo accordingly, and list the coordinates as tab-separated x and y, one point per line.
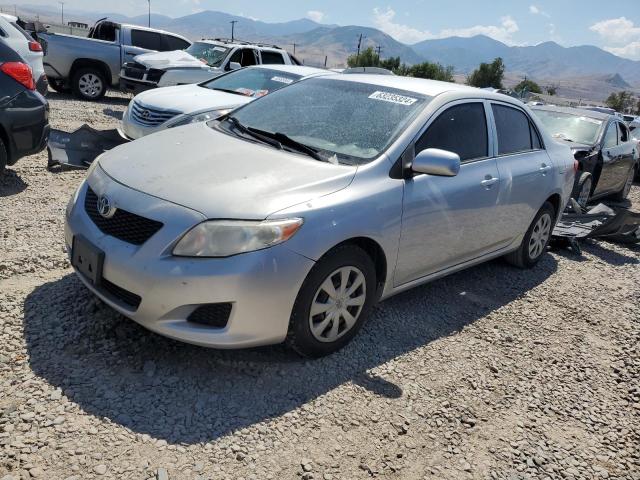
611	137
146	40
461	129
172	43
515	131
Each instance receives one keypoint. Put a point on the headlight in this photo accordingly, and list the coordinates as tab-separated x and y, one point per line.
200	117
224	238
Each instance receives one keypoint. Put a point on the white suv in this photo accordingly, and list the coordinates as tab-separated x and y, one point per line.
26	47
202	61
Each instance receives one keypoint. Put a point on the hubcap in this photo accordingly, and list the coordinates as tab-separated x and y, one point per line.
90	85
583	198
540	236
337	304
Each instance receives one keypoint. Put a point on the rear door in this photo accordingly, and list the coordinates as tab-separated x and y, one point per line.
449	220
628	151
527	174
611	159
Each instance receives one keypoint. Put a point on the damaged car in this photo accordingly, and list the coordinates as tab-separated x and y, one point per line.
158	109
287	219
602	144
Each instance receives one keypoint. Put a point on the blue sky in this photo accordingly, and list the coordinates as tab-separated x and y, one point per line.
612	24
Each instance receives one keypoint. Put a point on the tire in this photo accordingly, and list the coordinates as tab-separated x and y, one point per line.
624	193
331	330
582	189
58	85
3	157
89	84
540	233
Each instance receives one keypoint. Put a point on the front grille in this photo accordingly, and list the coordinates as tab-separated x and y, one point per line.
120	294
134	70
212	315
154	75
125	226
150	117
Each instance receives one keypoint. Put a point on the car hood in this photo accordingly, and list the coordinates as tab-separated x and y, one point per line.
166	60
220	175
190	99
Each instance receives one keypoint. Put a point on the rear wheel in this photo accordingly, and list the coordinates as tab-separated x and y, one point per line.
89	84
624	193
536	240
333	302
582	189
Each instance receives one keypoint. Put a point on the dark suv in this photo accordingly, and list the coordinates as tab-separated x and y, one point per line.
24	113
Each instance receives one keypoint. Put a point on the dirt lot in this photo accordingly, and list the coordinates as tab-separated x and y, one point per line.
491	373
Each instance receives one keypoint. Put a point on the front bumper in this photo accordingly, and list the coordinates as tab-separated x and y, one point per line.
261	286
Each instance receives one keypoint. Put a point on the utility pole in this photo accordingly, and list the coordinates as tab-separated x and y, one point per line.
149	13
294	47
379	50
359	45
62	4
233	27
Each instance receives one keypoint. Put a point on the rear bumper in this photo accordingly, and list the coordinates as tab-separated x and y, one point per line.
25	120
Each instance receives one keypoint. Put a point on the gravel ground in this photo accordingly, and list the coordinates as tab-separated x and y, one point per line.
490	373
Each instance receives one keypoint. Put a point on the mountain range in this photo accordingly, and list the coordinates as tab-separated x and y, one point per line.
314	42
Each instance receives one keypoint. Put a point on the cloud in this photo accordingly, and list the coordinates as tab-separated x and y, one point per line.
616	30
316	15
384	19
536	11
622	35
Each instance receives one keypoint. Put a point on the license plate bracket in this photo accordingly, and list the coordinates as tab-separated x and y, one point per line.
87	259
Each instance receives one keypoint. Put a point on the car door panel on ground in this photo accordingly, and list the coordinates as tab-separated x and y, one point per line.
449	220
524	167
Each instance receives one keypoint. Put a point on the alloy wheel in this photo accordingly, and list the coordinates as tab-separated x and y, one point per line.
540	236
585	192
90	85
337	304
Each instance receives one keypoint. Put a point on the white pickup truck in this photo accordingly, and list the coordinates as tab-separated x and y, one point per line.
202	61
89	66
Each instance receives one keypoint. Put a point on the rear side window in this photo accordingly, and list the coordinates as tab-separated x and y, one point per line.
623	133
174	43
516	133
461	129
272	58
611	137
146	40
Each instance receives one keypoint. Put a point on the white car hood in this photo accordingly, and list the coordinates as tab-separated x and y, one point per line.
165	60
220	175
190	99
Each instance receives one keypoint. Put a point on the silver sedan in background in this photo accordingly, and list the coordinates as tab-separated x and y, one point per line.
289	218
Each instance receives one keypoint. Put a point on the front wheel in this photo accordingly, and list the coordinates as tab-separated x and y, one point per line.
333	302
89	84
582	189
536	240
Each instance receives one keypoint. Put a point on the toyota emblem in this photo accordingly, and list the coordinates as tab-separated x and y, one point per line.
145	114
105	207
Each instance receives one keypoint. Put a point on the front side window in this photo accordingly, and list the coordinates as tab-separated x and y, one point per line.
172	43
515	132
611	137
252	82
461	129
272	58
346	121
570	127
146	40
212	55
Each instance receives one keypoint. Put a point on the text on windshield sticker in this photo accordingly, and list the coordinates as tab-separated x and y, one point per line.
393	98
282	80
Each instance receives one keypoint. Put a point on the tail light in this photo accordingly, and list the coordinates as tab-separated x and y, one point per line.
20	72
35	46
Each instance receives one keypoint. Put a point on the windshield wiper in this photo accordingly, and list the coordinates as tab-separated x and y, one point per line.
255	134
228	90
290	142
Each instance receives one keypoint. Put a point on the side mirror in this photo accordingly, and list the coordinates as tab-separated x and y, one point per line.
235	66
434	161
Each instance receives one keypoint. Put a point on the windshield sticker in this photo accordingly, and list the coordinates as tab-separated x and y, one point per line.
282	80
393	98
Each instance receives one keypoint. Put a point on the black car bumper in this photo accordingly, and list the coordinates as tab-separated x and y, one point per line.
25	121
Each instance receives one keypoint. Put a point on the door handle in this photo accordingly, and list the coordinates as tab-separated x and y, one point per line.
489	181
545	168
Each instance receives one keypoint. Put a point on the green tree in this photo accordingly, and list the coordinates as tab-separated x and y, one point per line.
528	86
551	90
621	102
367	58
431	71
488	75
392	63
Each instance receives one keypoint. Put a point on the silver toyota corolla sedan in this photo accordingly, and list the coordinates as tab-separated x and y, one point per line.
289	218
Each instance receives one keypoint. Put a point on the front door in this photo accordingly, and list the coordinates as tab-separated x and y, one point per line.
449	220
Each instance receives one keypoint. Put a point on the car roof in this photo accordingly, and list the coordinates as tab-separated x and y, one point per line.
295	69
581	112
11	18
422	86
231	44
